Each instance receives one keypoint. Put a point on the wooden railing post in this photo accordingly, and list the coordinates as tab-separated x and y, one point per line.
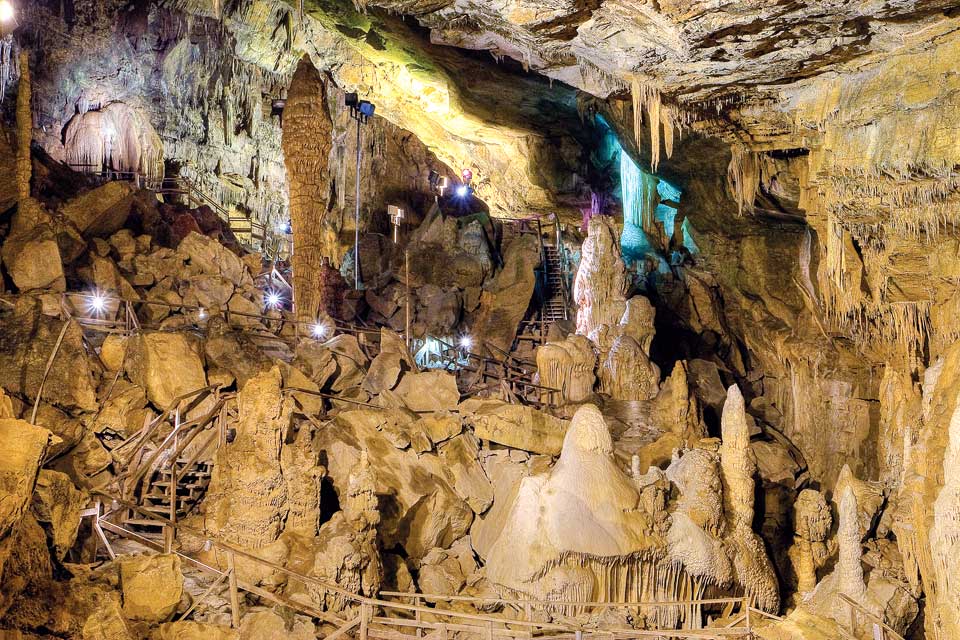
746	603
416	602
234	592
365	614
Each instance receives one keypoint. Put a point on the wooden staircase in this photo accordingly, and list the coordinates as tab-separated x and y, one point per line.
556	304
155	498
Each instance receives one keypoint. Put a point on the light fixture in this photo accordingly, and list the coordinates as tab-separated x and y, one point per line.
466	342
361	111
97	303
202	313
7	12
284	227
319	331
396	218
273	300
463	191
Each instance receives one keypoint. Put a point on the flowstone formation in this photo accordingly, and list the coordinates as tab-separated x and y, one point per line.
631	545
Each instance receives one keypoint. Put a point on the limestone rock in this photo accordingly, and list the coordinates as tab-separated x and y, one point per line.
537	553
152	586
459	456
189	630
517	426
268	625
29	339
423	511
212	258
384	372
167	365
429	391
107	622
246	499
57	504
24	446
505	298
102	210
568	366
34	261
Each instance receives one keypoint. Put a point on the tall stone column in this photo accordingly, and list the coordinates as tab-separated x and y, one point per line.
307	138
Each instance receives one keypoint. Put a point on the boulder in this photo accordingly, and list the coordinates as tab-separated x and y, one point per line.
514	425
112	351
152	586
28	340
459	456
429	391
212	258
505	477
505	299
384	372
23	446
57	505
420	509
269	625
101	210
440	573
167	365
189	630
106	622
234	352
34	262
440	426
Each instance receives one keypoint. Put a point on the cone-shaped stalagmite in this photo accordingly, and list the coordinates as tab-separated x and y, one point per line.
307	137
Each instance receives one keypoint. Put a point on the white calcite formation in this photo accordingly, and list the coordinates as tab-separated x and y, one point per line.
622	330
585	531
737	468
569	367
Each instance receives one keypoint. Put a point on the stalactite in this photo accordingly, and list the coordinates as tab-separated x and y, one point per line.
743	177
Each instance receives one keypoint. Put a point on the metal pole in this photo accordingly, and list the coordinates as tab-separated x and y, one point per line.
406	269
356	240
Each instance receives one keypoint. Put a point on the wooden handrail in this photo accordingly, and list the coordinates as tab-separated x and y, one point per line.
874	617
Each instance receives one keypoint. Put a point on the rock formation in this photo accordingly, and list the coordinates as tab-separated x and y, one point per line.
306	144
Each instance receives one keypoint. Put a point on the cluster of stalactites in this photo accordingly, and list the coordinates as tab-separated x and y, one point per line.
743	177
647	99
116	137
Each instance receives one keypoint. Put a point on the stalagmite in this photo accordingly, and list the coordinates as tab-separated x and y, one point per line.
737	468
568	366
600	283
812	522
850	552
737	465
307	128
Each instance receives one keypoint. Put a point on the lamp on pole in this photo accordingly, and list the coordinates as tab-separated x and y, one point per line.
361	111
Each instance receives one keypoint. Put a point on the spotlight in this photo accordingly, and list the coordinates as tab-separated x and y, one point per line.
7	12
97	303
319	331
202	313
273	300
284	227
466	342
463	191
